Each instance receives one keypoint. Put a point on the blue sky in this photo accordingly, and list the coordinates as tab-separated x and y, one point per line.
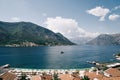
73	18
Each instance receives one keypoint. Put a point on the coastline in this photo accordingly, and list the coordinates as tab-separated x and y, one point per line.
11	46
48	69
19	71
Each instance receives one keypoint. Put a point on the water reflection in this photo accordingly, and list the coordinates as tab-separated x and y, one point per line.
51	57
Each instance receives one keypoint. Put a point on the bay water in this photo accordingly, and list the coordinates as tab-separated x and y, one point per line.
50	57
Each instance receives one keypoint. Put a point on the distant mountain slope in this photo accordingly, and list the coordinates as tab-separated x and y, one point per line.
106	39
19	32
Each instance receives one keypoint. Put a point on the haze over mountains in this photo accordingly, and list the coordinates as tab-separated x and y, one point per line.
106	39
81	40
30	34
27	33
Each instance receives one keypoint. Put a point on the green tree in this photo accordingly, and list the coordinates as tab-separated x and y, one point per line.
55	77
1	78
23	77
118	54
85	78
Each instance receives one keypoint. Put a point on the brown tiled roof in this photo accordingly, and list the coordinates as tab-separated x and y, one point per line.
111	78
46	77
66	77
76	77
93	75
35	77
115	78
114	72
8	76
105	78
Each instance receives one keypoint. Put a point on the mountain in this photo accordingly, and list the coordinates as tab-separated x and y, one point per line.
106	39
27	33
81	40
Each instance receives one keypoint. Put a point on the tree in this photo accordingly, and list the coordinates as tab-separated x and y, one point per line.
85	78
23	77
118	54
55	77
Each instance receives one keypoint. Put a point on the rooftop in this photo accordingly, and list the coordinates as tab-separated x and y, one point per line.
35	77
114	72
93	75
8	76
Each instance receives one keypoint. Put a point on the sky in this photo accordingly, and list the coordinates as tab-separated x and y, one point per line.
72	18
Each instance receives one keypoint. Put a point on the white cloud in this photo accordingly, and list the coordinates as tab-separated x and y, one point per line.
114	17
99	12
44	14
15	19
68	27
117	7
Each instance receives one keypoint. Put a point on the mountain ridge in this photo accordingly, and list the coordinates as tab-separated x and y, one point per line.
19	32
106	39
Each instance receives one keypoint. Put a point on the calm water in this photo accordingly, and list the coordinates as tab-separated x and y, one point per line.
45	57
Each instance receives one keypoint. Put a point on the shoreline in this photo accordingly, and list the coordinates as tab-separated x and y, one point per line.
49	69
34	46
25	70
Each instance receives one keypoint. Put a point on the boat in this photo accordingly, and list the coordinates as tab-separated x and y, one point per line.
62	52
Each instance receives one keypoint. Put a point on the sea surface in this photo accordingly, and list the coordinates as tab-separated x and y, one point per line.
50	57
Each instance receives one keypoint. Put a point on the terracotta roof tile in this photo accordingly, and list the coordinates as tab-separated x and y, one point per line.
46	77
93	75
36	77
113	72
8	76
66	77
111	78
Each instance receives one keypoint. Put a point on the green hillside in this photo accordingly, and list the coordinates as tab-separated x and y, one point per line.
19	32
